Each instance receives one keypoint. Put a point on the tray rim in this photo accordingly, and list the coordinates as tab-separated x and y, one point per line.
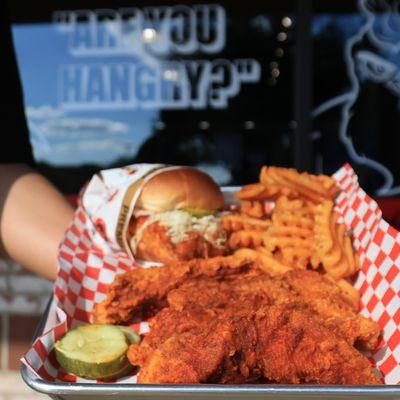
203	390
55	388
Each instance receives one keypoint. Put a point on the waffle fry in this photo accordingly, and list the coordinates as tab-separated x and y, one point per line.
301	231
254	209
258	191
284	204
288	218
291	233
254	191
351	257
265	261
247	239
236	222
314	188
322	231
293	219
272	243
332	243
296	257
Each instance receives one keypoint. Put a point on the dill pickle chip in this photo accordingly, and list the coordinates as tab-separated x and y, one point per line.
95	351
198	212
132	336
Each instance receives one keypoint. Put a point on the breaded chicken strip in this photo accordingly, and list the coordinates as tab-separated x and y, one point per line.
139	293
281	343
308	288
142	292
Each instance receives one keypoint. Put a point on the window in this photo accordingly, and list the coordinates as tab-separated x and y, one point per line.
357	90
205	85
222	86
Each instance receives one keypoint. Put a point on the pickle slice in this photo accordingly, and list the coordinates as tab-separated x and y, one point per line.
198	212
132	336
95	351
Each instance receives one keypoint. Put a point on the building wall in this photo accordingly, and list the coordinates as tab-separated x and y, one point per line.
23	298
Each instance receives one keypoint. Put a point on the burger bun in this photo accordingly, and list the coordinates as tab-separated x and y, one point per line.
180	188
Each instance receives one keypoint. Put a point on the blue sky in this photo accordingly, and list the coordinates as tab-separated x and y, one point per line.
70	138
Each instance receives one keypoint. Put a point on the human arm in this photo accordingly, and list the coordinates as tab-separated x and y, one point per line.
33	214
33	219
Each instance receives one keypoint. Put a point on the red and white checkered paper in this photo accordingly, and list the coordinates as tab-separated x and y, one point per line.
87	267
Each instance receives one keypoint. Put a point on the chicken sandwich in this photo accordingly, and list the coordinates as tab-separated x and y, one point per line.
178	217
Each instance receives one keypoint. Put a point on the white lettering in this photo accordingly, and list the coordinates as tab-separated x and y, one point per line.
173	85
179	29
148	36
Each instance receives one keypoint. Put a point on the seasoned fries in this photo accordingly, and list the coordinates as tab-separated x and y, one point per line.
332	243
258	191
234	223
314	188
302	230
254	209
265	260
248	239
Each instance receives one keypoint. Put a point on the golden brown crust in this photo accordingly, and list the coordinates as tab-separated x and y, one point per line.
156	245
283	343
180	188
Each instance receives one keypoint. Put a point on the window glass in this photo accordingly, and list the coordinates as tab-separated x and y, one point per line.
208	85
357	90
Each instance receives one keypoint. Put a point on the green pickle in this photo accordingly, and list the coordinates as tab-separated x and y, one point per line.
198	212
96	351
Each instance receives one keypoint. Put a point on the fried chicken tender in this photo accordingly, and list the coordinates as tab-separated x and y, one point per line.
139	293
281	343
295	348
319	294
200	344
333	305
224	320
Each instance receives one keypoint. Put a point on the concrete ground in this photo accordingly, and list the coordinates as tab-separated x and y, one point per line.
12	387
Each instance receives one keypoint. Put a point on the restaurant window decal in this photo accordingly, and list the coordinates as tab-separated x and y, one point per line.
372	54
151	81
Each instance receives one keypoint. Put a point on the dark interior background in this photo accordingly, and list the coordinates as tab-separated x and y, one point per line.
294	115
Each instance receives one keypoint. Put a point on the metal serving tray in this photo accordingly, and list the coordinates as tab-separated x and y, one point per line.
84	391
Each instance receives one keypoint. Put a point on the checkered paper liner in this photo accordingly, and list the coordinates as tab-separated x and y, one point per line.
87	267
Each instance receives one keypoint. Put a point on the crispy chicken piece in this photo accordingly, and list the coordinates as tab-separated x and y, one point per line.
282	343
331	303
139	293
295	348
200	343
319	294
156	244
224	320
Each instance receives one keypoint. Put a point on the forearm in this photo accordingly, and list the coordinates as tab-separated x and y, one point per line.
34	217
